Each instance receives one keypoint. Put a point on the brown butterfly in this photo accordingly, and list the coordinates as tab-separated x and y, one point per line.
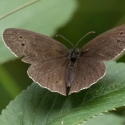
55	67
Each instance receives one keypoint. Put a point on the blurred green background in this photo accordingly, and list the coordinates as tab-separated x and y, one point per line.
70	18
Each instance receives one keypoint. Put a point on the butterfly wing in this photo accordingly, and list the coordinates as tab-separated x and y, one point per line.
88	72
90	67
43	53
107	45
35	47
50	74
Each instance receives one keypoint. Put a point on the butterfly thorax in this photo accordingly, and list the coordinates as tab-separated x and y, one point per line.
73	56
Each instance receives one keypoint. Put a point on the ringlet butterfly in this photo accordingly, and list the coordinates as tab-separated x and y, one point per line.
55	67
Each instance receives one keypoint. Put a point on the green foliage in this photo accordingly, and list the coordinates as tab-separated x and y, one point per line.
106	119
38	106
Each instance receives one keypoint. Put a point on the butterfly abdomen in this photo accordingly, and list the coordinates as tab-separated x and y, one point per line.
70	72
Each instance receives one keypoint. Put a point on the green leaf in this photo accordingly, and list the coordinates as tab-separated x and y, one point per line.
5	78
38	106
106	119
44	17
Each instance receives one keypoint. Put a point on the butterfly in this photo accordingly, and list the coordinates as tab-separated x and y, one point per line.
55	67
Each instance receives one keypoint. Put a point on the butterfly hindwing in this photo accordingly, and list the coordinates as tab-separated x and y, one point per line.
50	74
88	72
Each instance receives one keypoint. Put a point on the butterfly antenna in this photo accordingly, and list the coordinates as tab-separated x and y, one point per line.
84	36
65	39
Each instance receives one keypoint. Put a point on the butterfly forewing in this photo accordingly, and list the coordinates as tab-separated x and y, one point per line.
107	45
35	47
